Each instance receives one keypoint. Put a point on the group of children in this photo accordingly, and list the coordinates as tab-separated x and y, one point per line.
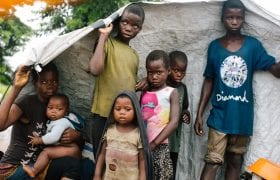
139	138
133	130
135	134
125	151
231	61
135	146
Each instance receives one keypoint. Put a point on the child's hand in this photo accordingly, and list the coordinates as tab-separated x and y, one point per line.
198	126
153	145
142	84
35	140
69	135
107	30
186	116
21	76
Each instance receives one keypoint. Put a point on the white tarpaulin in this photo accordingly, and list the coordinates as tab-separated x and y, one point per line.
188	27
50	48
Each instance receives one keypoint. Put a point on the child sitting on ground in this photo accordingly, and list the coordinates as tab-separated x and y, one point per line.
125	150
57	110
178	66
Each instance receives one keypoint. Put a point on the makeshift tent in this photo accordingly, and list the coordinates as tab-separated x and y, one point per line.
188	27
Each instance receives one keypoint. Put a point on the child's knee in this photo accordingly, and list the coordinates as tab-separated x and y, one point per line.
214	158
46	152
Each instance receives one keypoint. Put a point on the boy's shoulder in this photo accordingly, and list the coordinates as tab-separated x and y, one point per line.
113	42
179	85
182	86
252	39
214	43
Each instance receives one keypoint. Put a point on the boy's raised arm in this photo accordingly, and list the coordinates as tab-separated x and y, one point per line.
97	61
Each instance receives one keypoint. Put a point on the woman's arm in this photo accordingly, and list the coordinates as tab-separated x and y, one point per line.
10	112
142	169
71	135
173	121
100	162
204	98
97	61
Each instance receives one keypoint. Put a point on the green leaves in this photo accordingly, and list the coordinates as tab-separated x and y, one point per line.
5	76
71	17
13	34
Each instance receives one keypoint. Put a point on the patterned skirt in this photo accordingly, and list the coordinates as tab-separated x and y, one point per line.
162	164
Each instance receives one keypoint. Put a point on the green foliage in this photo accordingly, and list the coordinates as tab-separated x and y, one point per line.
3	89
5	75
13	34
71	17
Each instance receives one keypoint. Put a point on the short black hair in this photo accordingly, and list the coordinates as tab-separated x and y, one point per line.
136	9
177	56
158	55
232	4
50	67
61	97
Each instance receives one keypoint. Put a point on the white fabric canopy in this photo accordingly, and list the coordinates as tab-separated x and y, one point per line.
52	47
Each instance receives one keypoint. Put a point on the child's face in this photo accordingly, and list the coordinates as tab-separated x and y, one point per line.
233	19
123	111
178	71
56	108
157	74
46	85
130	25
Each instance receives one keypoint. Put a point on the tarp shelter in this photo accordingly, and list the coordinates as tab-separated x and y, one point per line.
188	27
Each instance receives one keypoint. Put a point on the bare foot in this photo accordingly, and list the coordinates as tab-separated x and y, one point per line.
29	170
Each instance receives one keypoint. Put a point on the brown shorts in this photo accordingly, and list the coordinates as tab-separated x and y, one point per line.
219	143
